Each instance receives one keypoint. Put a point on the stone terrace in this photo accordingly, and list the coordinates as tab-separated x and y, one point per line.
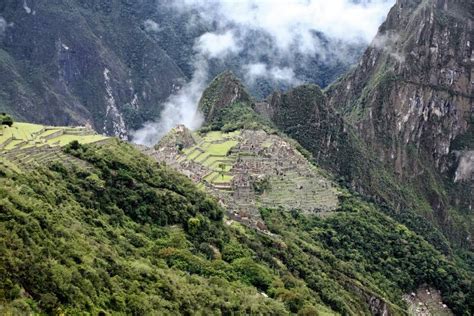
25	146
247	170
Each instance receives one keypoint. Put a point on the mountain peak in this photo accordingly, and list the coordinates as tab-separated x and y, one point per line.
224	90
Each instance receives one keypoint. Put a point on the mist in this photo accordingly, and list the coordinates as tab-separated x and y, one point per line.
269	40
181	108
3	26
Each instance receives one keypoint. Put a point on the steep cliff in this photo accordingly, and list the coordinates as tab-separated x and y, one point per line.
251	171
111	64
411	100
413	86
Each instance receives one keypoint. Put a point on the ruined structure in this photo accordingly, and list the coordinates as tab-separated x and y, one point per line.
247	170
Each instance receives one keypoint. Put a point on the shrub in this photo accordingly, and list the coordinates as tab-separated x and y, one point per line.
6	119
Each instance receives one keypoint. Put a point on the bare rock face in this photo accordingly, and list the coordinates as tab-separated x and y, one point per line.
412	92
465	166
398	128
83	64
303	114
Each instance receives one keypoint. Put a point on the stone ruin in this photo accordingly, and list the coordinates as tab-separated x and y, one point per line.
285	177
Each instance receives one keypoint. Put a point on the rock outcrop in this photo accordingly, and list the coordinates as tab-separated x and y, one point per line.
84	63
411	100
413	88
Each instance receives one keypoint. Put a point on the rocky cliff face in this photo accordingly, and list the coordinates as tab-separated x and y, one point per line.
411	100
413	87
111	64
303	114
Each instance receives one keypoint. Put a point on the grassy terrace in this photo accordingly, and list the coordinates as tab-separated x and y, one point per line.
26	145
212	151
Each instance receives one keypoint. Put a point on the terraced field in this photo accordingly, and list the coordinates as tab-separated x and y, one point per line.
25	146
249	169
212	151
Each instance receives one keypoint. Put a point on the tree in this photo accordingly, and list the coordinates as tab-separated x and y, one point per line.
222	169
6	119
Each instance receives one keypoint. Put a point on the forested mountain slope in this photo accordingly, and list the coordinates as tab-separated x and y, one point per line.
345	201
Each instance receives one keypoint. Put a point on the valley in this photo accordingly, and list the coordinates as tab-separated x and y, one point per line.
258	192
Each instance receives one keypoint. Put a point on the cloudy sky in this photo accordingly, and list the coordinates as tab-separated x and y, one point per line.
290	25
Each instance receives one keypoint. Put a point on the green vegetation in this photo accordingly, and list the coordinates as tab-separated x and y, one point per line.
212	152
238	116
25	134
75	241
128	236
25	145
5	119
241	116
373	249
339	148
228	107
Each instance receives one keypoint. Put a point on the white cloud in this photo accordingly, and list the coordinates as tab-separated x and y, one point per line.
3	25
290	26
215	45
261	70
255	70
151	26
285	74
180	108
26	7
292	22
388	43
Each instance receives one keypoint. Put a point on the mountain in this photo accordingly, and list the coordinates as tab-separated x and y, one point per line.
350	200
81	63
111	65
398	127
252	168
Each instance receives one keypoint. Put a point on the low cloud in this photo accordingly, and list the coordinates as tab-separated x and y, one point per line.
271	33
269	39
180	108
260	70
388	43
3	26
151	26
26	7
214	45
293	22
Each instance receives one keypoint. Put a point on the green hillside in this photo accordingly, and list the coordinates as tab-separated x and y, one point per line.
116	233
